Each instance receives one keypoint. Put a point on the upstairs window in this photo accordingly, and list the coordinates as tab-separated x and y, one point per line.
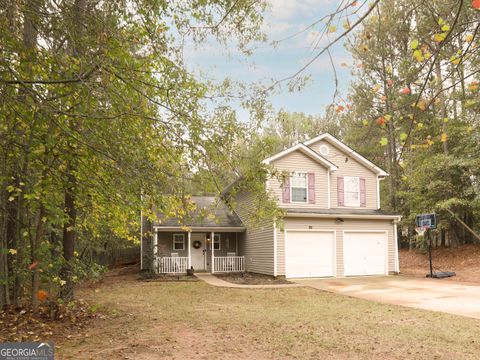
352	191
298	184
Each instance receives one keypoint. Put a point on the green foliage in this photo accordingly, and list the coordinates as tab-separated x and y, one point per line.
100	118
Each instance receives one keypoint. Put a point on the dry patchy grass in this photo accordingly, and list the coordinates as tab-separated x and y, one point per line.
194	320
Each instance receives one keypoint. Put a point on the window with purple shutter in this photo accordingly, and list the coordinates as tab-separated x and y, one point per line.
311	188
340	191
363	193
286	190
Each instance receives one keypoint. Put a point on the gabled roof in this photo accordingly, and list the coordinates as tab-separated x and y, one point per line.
348	150
208	213
305	150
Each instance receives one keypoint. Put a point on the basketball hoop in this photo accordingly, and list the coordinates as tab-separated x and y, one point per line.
421	230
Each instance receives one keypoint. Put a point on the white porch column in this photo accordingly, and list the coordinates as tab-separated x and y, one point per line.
155	250
213	253
189	249
236	243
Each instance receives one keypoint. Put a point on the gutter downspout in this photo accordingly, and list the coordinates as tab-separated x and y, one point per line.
275	248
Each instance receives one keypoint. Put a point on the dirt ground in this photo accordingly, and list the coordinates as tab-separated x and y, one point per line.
464	261
252	279
192	320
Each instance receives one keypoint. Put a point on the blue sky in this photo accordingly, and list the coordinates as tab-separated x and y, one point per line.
285	18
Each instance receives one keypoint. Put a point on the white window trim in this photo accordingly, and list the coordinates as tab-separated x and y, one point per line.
306	187
219	242
183	242
345	191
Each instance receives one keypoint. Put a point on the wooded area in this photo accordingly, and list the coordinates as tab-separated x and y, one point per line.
100	119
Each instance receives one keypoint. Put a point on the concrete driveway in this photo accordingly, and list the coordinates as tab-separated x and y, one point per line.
429	294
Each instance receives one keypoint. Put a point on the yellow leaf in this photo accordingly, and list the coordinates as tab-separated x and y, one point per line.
420	125
422	105
376	88
455	60
332	28
469	38
445	120
387	117
417	54
439	37
444	137
12	251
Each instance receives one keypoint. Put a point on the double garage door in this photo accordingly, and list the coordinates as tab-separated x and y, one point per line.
313	253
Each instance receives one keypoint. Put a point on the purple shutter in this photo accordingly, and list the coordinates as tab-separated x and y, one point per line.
340	191
286	190
311	188
363	193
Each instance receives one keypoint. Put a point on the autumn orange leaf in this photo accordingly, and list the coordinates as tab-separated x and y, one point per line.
340	108
42	295
33	265
473	86
381	121
405	91
476	4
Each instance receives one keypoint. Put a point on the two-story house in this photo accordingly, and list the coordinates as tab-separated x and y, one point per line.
333	225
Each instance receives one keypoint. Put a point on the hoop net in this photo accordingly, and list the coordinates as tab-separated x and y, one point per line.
421	229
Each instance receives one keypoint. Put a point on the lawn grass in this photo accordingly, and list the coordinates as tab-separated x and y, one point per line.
181	320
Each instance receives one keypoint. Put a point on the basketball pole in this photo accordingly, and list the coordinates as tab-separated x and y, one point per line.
429	239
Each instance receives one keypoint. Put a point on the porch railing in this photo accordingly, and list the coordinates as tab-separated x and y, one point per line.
172	265
227	264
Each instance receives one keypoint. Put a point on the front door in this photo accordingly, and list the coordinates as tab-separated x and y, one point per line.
198	253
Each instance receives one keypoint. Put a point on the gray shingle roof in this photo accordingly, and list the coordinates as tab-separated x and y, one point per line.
209	212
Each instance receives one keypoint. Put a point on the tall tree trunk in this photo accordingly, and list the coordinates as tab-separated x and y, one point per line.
69	231
66	292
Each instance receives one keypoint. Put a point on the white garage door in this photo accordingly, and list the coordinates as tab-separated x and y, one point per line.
365	253
309	254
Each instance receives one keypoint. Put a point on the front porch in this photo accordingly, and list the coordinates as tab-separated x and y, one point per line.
217	251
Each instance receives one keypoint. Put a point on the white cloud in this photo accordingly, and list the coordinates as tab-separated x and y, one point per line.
287	9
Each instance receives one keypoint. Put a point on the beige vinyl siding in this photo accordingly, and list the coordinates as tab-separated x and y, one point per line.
297	161
348	166
257	246
330	224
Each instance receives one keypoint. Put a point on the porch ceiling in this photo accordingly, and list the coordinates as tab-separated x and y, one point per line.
203	229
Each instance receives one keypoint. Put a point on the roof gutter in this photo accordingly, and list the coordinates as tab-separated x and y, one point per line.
345	216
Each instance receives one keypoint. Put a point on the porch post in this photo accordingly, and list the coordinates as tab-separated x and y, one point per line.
236	243
189	249
155	250
212	244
